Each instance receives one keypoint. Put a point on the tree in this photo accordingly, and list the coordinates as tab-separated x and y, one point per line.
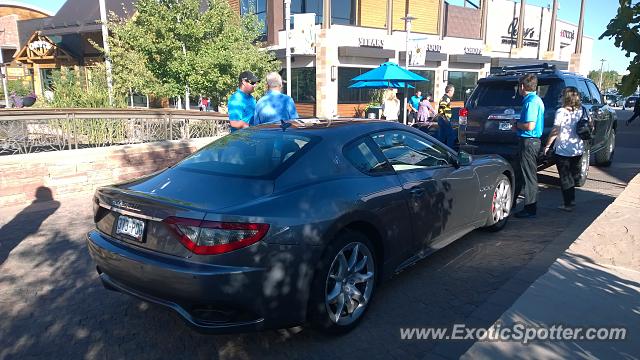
168	45
609	78
625	29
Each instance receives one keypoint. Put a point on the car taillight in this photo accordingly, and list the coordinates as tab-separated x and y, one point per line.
213	237
462	116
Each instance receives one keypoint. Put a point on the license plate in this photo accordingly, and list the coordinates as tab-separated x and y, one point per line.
130	227
505	125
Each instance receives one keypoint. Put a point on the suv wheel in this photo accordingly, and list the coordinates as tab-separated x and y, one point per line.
604	157
343	285
584	168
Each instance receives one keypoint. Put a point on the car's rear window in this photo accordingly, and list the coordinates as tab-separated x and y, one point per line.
506	93
247	153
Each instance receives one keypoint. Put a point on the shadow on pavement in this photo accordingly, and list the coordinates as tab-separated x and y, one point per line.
27	222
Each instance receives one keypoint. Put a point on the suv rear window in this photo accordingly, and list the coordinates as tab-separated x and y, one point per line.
506	93
247	153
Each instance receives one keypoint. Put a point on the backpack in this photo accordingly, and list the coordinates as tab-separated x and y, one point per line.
584	126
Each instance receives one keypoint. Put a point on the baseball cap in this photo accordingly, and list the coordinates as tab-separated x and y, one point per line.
249	76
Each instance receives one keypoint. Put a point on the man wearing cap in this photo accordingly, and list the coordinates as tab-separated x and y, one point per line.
274	105
241	103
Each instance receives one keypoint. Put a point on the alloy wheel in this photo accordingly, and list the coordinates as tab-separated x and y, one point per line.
501	206
349	284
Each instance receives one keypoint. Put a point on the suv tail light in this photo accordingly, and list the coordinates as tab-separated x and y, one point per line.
462	116
213	237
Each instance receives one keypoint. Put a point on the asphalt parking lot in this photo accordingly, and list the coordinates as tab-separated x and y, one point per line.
52	305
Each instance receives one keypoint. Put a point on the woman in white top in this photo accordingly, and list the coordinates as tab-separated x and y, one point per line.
568	146
391	106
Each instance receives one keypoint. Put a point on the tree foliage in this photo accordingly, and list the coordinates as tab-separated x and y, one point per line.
84	87
624	28
170	44
609	78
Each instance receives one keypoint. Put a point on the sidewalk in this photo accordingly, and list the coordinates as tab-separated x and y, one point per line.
595	283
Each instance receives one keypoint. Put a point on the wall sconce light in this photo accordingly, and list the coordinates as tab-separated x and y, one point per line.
334	73
445	76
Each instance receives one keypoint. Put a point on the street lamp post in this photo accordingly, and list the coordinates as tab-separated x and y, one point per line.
407	24
105	44
601	67
287	22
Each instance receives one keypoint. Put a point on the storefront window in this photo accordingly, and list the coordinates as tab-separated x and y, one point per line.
462	81
258	7
425	86
307	6
351	96
343	12
303	85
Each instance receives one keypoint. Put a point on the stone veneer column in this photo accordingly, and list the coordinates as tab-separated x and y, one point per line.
326	89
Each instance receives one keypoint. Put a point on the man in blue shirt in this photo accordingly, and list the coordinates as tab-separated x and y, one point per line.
414	105
241	104
529	128
274	105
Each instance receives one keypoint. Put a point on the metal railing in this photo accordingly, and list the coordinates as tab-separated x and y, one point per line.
24	131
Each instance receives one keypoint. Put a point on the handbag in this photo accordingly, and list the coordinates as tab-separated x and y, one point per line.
584	126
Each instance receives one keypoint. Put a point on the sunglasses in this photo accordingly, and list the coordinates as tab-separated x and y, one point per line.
250	82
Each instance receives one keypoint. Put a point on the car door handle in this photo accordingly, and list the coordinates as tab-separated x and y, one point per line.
417	191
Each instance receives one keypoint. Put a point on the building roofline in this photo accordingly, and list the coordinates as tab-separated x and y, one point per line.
26	6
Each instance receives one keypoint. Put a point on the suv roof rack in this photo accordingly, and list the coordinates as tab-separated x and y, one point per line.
527	69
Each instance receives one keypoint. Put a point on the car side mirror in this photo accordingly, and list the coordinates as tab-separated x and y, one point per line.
463	159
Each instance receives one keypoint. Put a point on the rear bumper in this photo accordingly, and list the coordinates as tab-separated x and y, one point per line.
210	298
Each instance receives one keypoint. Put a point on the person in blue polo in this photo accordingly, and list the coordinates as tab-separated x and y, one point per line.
274	105
529	128
242	104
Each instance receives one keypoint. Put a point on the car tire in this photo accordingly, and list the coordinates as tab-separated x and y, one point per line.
501	204
584	168
340	279
604	157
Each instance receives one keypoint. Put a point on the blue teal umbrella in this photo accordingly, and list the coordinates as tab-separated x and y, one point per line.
380	85
389	71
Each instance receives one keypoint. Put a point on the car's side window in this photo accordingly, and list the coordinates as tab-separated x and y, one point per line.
585	97
595	93
407	151
363	155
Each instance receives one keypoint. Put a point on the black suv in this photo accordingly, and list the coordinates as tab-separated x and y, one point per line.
495	105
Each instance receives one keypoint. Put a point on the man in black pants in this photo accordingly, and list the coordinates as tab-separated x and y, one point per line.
529	128
636	112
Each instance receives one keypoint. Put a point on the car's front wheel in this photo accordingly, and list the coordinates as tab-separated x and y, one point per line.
584	168
344	283
604	157
501	204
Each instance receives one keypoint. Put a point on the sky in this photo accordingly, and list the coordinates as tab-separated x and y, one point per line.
597	16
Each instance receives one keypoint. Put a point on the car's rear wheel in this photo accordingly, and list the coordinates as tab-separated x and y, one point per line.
584	168
344	284
501	204
604	157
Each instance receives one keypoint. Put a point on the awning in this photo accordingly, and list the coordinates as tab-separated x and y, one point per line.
470	59
282	54
429	56
500	62
366	52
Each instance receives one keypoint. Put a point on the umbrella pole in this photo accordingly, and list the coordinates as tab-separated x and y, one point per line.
406	104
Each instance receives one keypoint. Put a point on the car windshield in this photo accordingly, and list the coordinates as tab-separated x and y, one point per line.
506	93
247	153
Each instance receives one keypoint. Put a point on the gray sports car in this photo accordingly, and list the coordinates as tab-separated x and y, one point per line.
280	224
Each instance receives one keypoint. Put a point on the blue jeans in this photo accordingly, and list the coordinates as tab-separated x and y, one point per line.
446	134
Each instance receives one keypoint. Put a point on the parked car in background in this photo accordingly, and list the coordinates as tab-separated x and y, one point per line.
495	106
279	224
630	102
611	99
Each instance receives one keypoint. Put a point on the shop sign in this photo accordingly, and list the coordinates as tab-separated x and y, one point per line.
370	42
472	51
40	47
303	35
567	34
512	35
